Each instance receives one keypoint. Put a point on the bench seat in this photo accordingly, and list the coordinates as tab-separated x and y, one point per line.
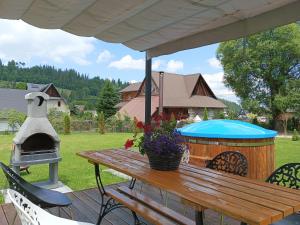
149	209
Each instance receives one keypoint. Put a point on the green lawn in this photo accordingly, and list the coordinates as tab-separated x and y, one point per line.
78	174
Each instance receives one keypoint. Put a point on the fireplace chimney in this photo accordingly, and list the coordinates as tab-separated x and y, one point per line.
161	92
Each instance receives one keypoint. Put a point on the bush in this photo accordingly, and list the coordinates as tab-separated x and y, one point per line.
119	123
56	119
67	124
101	123
219	115
295	136
205	114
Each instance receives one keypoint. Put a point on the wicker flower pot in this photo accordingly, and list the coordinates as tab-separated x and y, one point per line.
164	162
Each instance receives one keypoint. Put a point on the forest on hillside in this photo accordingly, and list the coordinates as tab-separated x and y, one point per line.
75	87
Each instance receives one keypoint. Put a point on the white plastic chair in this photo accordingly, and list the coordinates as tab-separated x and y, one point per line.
31	214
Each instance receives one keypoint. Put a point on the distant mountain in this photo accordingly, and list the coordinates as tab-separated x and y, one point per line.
231	106
75	87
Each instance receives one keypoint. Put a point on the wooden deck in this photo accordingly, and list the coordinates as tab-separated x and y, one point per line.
86	204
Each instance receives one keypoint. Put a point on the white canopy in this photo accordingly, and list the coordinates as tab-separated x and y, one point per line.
156	26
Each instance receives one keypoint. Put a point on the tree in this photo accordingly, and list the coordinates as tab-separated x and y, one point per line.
288	101
67	124
101	123
108	98
14	118
257	67
205	114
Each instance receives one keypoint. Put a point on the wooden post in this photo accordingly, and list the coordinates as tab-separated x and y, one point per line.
148	82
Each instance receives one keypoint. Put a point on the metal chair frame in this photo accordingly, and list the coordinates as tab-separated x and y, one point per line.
40	196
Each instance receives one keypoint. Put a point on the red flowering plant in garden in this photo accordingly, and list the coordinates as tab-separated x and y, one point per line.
160	137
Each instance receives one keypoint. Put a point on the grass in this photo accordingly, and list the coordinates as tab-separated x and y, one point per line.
78	174
74	171
287	151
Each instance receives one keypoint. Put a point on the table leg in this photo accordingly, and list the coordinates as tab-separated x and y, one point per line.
199	217
110	204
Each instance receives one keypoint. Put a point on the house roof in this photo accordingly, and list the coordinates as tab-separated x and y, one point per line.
156	26
13	99
35	87
184	86
177	93
136	107
132	87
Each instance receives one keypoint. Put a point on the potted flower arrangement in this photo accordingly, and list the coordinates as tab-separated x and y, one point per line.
160	141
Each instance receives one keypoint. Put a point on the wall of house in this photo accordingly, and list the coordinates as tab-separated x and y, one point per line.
127	96
58	104
179	113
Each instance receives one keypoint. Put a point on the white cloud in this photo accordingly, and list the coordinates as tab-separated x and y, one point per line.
133	81
215	63
23	42
104	56
128	62
173	66
156	64
215	82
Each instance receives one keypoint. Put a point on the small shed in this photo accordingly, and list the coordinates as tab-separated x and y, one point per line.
207	139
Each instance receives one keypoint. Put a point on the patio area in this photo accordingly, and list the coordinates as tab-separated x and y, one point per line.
86	204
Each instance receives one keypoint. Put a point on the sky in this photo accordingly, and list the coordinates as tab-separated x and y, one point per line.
34	46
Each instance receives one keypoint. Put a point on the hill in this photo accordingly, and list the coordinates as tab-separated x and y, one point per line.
75	87
231	106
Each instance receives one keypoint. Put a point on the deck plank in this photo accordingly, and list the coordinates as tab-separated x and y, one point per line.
3	220
86	204
10	214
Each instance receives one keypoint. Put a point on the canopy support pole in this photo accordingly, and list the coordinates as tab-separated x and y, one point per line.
148	83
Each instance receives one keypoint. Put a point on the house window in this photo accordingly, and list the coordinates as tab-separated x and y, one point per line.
58	104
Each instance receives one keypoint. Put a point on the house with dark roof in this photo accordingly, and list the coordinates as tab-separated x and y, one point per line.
15	99
186	96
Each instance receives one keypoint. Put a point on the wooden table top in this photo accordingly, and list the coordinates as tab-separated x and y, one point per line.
244	199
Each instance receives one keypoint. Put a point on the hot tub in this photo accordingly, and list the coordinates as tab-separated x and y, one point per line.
207	139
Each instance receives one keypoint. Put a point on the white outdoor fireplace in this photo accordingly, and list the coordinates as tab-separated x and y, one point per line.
37	142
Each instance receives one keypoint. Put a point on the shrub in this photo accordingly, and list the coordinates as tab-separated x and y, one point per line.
67	124
56	119
101	123
205	114
295	136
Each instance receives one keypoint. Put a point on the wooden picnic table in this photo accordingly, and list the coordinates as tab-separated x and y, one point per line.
250	201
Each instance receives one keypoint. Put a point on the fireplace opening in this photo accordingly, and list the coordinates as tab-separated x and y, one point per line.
38	143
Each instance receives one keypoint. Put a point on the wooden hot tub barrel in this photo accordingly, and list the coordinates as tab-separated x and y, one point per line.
207	139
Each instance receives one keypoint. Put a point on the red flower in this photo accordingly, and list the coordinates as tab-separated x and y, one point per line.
128	144
140	125
157	118
147	128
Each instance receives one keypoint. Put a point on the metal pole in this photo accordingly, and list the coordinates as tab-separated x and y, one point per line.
148	82
161	92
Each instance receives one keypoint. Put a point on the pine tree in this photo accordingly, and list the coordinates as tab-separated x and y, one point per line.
108	98
67	124
205	114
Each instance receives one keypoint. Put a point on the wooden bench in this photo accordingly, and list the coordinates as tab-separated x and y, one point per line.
149	209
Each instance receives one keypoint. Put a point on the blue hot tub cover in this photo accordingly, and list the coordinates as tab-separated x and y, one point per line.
233	129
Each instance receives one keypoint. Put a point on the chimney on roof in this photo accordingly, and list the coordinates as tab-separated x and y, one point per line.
161	92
